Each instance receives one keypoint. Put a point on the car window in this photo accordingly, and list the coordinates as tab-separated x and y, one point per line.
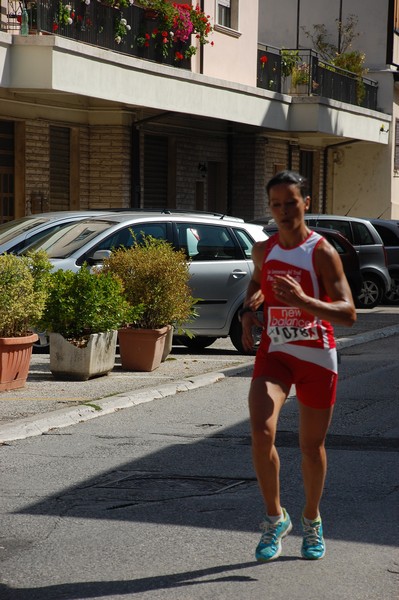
362	235
387	235
245	241
13	228
63	243
341	226
335	243
206	242
126	236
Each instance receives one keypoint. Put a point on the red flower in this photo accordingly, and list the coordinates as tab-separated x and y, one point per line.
55	26
147	36
178	56
263	59
164	34
146	44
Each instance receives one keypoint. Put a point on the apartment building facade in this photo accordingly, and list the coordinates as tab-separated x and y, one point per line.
90	122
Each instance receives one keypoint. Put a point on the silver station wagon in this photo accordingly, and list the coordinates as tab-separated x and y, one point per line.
217	246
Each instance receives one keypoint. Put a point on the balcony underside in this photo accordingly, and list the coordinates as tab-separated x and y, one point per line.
57	75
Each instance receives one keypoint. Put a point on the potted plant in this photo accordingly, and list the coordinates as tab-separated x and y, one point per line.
82	314
22	300
300	78
169	26
155	278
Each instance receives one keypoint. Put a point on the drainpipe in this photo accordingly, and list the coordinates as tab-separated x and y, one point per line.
298	20
201	67
325	167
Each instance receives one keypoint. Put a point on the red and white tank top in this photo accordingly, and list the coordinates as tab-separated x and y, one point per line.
289	329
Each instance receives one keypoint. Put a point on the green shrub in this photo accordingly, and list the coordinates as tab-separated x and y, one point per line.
156	277
83	303
23	285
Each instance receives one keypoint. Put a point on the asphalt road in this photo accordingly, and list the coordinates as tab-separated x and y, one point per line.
160	500
46	403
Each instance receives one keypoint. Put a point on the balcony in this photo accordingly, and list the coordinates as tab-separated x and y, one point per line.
309	76
98	24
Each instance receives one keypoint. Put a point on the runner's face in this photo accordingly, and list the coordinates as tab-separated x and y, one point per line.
287	205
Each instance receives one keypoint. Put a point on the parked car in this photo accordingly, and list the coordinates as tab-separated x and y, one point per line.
389	232
218	247
15	235
372	254
347	253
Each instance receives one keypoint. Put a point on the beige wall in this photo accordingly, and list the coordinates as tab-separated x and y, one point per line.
234	54
361	175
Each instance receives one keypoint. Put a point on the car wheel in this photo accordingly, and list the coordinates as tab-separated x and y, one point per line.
371	292
196	343
235	336
42	346
392	296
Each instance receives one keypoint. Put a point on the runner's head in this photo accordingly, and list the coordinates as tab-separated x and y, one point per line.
290	178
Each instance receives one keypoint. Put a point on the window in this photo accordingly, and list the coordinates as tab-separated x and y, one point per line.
361	235
205	242
227	13
126	236
341	226
388	237
245	241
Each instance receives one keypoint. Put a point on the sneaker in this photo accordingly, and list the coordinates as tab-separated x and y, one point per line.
269	546
313	546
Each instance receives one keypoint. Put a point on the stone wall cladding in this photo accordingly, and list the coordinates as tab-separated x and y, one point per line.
190	152
37	160
109	167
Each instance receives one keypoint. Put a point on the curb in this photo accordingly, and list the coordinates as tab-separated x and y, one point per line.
41	424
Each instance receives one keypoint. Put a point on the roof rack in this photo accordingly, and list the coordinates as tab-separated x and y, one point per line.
172	211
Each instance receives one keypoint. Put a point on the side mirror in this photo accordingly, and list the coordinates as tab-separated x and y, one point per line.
99	255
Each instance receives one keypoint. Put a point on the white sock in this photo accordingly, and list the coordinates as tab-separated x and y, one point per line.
275	519
310	521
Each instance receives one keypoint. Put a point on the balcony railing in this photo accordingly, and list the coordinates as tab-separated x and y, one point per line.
295	72
301	73
96	24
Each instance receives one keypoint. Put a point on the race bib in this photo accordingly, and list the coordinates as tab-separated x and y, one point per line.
287	324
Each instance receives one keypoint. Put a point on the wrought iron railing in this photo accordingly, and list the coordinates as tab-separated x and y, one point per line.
96	23
292	71
301	73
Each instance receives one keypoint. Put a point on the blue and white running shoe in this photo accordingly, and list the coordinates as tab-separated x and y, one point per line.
313	546
269	546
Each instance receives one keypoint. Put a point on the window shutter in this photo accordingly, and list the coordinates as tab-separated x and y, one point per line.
155	171
59	168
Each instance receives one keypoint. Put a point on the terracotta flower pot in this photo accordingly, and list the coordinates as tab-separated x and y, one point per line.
141	349
15	355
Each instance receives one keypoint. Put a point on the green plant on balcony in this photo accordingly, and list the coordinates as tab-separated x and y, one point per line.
341	55
121	28
289	60
300	75
174	24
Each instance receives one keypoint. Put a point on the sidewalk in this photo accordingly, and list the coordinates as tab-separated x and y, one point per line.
46	403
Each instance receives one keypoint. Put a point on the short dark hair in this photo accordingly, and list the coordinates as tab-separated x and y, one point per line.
292	178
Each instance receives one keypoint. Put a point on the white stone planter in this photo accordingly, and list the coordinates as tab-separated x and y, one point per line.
68	362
